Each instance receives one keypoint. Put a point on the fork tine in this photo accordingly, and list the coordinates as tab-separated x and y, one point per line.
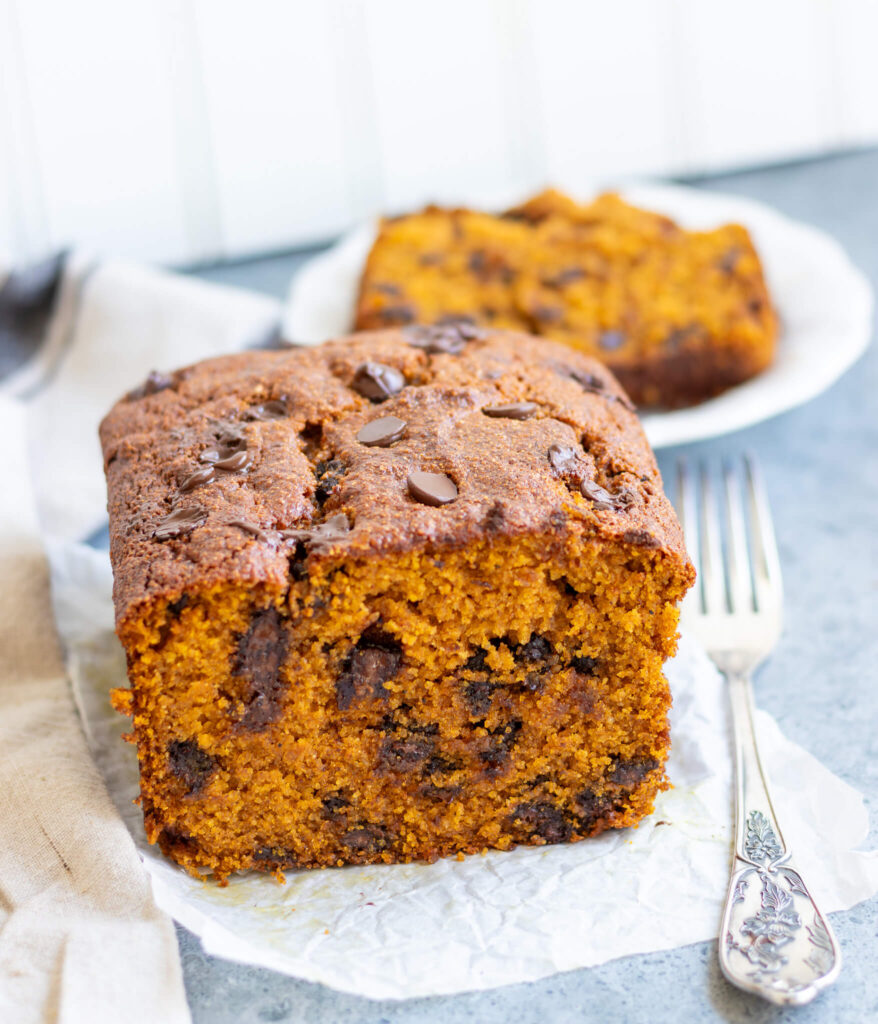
713	575
767	585
687	500
738	559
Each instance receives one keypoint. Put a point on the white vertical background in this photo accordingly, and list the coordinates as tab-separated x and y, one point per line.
183	130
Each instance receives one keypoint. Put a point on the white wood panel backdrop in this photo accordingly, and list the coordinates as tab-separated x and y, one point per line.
184	130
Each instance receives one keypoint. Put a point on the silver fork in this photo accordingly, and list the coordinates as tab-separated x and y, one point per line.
774	941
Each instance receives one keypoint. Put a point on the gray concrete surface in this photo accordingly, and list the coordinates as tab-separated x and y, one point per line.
821	464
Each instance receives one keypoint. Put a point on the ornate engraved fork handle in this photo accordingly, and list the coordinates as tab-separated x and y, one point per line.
774	940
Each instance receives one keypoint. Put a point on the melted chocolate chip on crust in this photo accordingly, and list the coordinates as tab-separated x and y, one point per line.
511	411
201	476
181	521
261	653
154	383
382	433
377	382
191	764
274	409
432	488
368	667
563	459
598	496
237	462
642	538
446	339
322	536
248	527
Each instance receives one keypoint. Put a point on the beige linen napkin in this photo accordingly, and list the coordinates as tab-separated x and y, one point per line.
81	938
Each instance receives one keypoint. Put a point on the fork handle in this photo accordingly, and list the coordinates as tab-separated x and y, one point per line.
774	940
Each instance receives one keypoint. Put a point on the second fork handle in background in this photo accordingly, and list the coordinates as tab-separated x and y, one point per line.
774	941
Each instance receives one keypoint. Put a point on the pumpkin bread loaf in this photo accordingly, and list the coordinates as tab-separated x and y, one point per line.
678	316
400	596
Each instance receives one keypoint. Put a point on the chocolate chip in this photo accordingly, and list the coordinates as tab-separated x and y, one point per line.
511	411
191	764
729	260
403	755
641	538
496	757
381	433
584	664
322	536
175	607
251	528
230	444
235	463
271	410
447	339
439	765
431	259
536	649
432	488
609	341
494	518
678	338
179	522
632	772
547	314
455	318
401	314
335	805
490	266
260	655
564	277
476	662
563	459
275	858
587	381
441	794
600	498
328	474
478	694
154	383
387	289
544	820
196	479
368	667
368	839
377	382
592	808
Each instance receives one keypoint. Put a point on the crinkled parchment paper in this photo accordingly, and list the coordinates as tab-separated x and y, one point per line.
417	930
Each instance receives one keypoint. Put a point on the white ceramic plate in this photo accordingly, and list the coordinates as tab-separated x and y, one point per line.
824	303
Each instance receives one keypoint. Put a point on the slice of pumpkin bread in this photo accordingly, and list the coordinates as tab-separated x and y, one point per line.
400	596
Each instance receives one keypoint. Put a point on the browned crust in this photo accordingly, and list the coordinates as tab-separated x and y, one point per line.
506	484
